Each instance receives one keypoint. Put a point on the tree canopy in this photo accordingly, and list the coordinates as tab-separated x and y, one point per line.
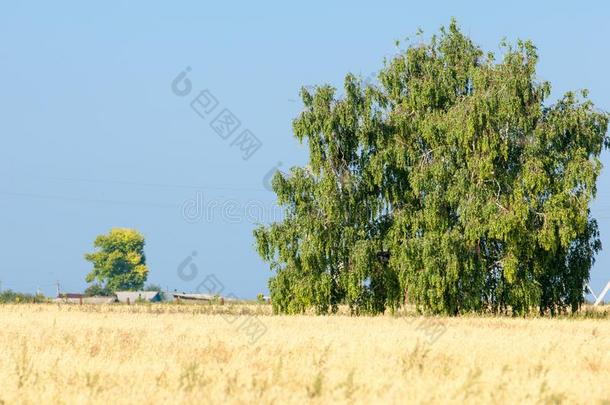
119	262
451	184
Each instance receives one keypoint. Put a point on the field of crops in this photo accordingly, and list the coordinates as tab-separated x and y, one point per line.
201	354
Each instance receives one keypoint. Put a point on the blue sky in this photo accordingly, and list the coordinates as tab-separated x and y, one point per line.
92	136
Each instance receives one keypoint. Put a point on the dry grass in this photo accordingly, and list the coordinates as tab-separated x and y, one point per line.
156	354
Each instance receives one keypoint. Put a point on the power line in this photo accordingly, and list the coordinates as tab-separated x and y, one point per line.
162	185
224	187
88	200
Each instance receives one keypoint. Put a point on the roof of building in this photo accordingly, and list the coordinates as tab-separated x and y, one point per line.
200	297
71	295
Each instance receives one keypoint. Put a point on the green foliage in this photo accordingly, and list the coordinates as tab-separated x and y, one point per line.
152	287
11	297
96	290
451	184
119	263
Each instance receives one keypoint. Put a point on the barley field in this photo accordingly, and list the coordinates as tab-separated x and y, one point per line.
197	354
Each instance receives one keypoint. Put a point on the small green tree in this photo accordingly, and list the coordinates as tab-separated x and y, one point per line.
119	263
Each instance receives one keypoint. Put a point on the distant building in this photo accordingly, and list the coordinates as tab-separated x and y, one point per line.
193	297
70	298
202	297
135	296
99	300
77	298
71	295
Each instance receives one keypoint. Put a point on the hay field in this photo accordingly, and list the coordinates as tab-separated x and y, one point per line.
161	353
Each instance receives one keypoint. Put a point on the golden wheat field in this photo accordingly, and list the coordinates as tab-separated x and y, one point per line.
192	354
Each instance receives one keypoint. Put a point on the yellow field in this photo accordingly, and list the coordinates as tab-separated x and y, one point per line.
167	353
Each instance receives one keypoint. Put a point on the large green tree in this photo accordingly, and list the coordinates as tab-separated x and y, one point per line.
119	262
451	184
